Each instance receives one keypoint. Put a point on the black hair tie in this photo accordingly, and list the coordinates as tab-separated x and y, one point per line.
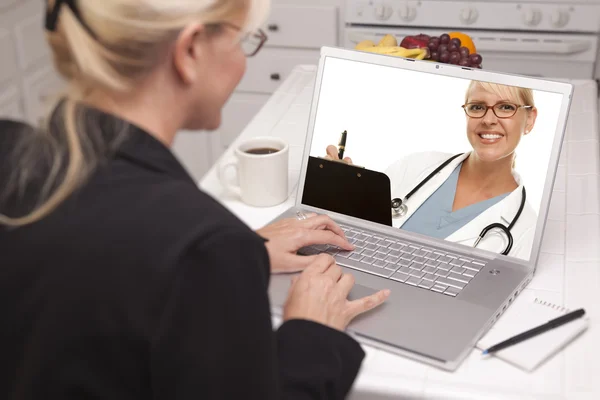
52	15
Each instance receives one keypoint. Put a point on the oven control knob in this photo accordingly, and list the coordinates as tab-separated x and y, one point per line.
383	12
407	13
559	18
468	15
532	17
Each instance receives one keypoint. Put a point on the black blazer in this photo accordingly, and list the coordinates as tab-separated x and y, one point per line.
141	286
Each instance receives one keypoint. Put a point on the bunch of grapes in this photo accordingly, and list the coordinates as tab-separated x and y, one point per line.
446	50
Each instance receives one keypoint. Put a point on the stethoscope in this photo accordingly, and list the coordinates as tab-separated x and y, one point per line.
400	208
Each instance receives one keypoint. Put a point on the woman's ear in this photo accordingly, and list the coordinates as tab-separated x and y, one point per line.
531	117
187	53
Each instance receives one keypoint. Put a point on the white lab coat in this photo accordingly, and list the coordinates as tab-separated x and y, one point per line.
409	171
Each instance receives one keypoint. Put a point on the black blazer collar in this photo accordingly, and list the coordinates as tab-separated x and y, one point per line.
139	146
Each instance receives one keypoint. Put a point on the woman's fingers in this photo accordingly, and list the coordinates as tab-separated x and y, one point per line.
367	303
311	237
348	160
324	222
332	152
320	264
334	272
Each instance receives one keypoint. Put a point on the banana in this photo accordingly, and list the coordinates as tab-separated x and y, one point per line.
418	54
365	44
388	40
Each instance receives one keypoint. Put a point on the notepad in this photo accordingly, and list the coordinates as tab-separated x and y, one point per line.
527	312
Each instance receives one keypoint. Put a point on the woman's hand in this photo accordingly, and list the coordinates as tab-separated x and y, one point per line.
332	154
320	294
289	235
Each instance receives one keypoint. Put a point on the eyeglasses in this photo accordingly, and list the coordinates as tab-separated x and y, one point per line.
251	42
501	110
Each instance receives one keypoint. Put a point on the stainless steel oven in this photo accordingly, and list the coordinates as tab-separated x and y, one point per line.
557	39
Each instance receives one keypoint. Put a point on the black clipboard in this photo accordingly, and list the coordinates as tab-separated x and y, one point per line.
348	190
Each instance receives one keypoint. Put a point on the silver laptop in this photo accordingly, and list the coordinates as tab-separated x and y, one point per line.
466	218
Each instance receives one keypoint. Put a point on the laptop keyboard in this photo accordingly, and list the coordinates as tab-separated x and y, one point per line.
409	263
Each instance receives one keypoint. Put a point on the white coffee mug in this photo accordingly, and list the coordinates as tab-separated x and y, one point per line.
261	165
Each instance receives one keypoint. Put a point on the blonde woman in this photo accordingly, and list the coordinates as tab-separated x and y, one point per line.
456	196
120	279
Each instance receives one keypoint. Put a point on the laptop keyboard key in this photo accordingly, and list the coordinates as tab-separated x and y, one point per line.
399	276
429	277
458	270
395	253
364	267
419	253
382	250
391	267
395	246
419	260
404	263
417	274
452	292
370	246
459	278
379	263
445	259
439	288
469	274
450	282
413	280
405	270
442	273
392	259
444	267
379	256
368	260
473	267
355	256
416	267
456	262
368	253
429	270
426	284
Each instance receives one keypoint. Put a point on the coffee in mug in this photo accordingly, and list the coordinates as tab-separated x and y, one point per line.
262	150
261	166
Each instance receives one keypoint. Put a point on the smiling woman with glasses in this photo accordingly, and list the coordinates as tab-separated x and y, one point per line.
457	197
122	279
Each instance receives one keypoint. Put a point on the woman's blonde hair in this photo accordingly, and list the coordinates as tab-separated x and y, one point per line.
523	96
111	45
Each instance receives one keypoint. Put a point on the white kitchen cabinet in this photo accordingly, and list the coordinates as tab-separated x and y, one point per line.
27	78
11	106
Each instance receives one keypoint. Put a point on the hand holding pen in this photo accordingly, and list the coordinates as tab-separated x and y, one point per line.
337	153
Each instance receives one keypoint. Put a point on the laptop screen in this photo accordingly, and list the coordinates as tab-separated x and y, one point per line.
463	157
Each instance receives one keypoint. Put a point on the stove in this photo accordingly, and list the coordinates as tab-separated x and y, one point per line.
549	38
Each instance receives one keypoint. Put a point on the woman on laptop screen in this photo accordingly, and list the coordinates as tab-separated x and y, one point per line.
458	197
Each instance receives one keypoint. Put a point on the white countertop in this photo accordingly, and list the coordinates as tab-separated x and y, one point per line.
568	273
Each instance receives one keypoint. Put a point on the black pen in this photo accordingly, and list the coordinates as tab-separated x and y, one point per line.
342	145
537	330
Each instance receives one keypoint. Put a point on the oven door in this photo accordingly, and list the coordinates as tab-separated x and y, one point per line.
549	55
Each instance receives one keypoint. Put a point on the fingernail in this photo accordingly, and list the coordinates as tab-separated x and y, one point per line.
386	292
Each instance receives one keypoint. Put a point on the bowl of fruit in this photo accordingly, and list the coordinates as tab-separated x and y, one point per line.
450	48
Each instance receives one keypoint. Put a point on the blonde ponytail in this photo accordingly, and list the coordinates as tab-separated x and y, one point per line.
128	41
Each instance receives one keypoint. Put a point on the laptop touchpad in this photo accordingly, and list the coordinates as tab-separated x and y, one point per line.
360	291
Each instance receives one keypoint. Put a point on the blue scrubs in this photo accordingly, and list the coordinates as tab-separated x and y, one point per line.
435	217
